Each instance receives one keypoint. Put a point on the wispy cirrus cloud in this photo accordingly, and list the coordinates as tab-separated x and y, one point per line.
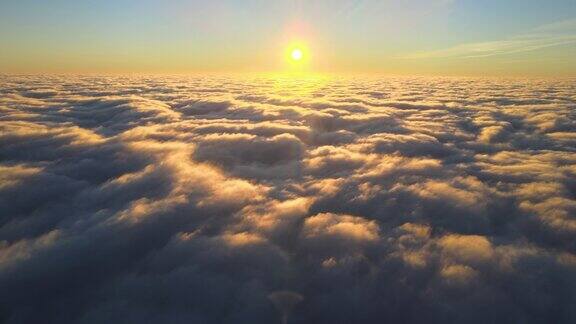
550	35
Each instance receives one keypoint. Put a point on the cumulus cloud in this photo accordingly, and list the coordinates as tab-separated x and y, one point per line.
240	200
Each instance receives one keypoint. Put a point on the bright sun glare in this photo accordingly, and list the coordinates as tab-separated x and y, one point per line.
296	54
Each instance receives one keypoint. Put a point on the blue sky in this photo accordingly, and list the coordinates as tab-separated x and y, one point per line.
365	36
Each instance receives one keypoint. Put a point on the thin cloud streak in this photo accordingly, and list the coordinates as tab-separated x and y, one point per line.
550	35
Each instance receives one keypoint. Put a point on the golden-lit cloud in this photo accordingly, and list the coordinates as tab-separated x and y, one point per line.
297	197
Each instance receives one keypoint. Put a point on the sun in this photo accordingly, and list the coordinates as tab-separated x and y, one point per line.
296	54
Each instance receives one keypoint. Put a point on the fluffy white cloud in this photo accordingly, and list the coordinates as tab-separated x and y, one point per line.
227	200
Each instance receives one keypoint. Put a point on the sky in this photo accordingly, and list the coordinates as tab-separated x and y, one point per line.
447	37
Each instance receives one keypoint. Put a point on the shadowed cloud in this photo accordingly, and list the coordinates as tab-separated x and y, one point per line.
235	200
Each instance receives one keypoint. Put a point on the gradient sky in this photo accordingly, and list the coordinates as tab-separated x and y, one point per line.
452	37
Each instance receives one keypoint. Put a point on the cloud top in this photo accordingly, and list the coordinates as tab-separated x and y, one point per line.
260	200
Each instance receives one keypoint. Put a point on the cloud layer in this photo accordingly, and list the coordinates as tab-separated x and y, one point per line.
252	200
